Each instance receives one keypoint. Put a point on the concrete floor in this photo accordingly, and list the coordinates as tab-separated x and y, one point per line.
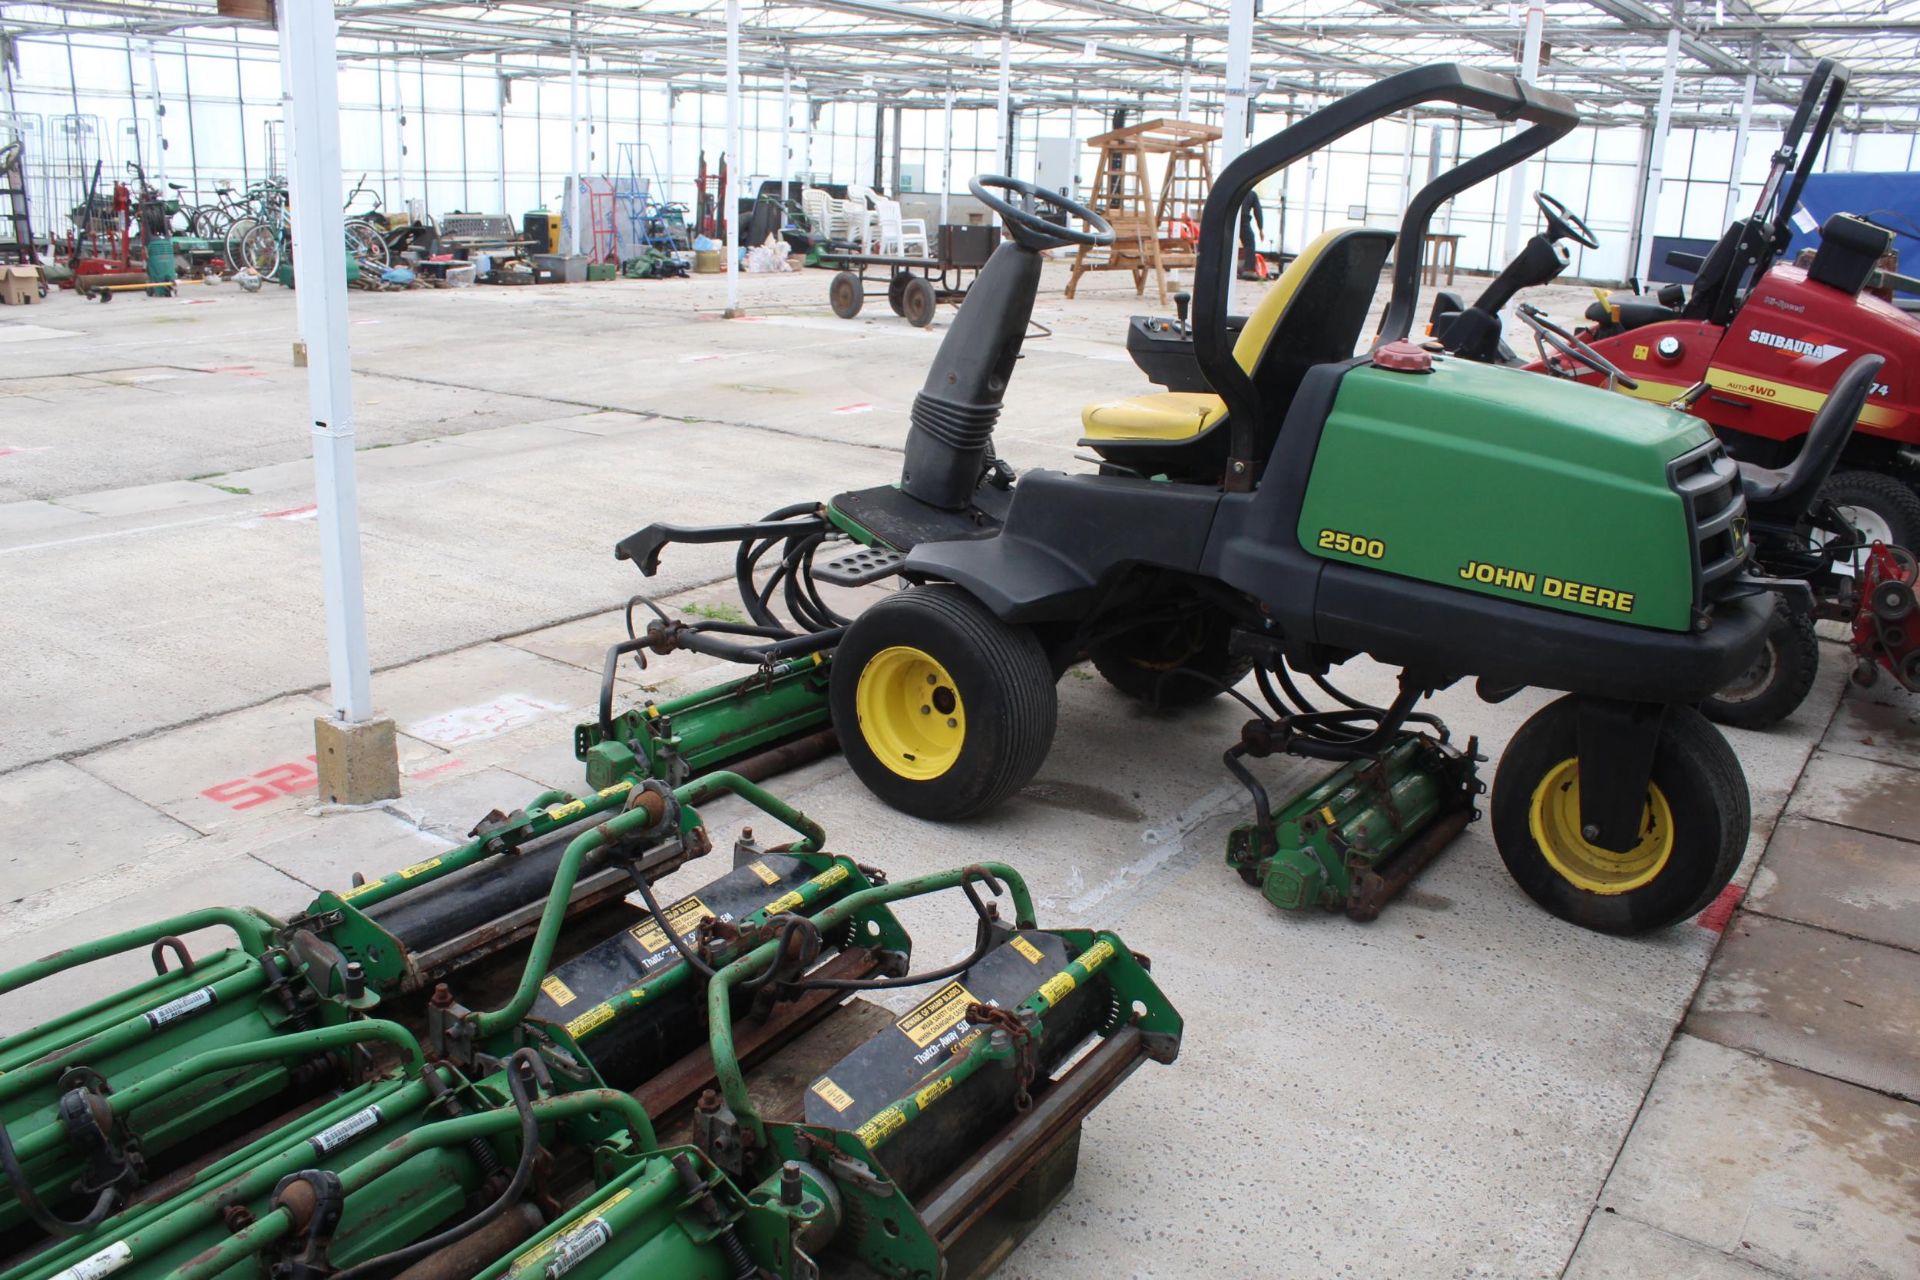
1466	1087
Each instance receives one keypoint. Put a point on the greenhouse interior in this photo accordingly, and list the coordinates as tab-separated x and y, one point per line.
933	639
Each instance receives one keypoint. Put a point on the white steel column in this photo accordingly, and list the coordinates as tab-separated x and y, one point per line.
500	91
575	215
1740	150
310	67
737	163
786	129
158	160
1657	151
1529	72
1003	119
946	153
399	137
1186	82
1239	62
1406	158
666	179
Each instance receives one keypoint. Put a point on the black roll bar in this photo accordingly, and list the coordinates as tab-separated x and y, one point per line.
1505	97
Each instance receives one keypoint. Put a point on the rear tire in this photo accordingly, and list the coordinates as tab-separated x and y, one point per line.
1145	663
1780	678
942	709
918	302
1887	509
1694	827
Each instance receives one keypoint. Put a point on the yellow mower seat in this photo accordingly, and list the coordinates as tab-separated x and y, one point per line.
1172	417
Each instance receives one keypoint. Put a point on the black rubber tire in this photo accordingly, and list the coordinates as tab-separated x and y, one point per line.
1889	498
1002	678
918	302
895	288
1780	679
1706	793
1138	662
846	294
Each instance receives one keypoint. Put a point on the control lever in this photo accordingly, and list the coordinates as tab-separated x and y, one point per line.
1181	301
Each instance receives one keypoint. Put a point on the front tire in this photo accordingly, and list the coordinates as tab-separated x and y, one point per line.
1693	829
1779	679
942	709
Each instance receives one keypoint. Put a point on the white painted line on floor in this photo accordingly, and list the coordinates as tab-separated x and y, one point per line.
34	333
1164	842
472	724
115	533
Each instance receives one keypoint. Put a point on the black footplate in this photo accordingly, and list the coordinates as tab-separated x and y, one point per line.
859	567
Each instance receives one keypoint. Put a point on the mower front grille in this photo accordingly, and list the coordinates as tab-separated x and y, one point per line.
1708	482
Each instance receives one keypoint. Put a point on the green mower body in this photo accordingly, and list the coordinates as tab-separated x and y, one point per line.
1540	492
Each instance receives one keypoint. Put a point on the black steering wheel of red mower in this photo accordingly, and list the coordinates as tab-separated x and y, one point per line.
1562	221
1026	225
1548	334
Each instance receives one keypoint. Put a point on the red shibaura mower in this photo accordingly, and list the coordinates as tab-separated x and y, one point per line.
1756	348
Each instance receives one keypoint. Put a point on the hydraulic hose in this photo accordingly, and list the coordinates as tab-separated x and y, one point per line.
522	1082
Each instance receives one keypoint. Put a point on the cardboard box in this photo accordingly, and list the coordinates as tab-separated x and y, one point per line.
19	286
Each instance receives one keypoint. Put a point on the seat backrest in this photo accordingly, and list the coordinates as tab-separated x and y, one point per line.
1312	315
1787	494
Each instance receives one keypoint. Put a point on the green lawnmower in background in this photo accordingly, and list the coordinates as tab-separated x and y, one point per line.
1449	518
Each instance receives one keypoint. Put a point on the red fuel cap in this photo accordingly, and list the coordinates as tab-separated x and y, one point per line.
1404	357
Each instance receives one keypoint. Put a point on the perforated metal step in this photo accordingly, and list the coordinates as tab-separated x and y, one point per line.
859	567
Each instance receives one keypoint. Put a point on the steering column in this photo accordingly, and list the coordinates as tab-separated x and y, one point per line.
951	439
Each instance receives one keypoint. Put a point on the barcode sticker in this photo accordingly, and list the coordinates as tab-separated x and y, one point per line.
338	1134
577	1246
179	1007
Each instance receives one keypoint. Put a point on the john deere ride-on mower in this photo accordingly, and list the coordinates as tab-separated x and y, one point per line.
1452	519
512	1060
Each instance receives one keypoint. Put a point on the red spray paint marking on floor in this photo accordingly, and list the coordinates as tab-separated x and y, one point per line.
293	513
7	452
435	771
854	408
1720	910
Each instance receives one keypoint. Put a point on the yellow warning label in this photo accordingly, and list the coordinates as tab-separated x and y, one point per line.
1027	949
882	1126
586	1022
938	1014
1057	988
557	991
561	812
832	876
616	788
832	1094
524	1262
766	873
683	915
1640	353
359	889
927	1096
1096	955
419	868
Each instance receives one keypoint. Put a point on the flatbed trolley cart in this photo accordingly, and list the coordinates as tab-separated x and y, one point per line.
915	286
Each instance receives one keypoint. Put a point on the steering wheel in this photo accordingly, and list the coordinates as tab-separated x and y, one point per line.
1562	221
1024	222
1548	334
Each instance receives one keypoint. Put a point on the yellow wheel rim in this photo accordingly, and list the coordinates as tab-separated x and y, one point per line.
910	713
1554	819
